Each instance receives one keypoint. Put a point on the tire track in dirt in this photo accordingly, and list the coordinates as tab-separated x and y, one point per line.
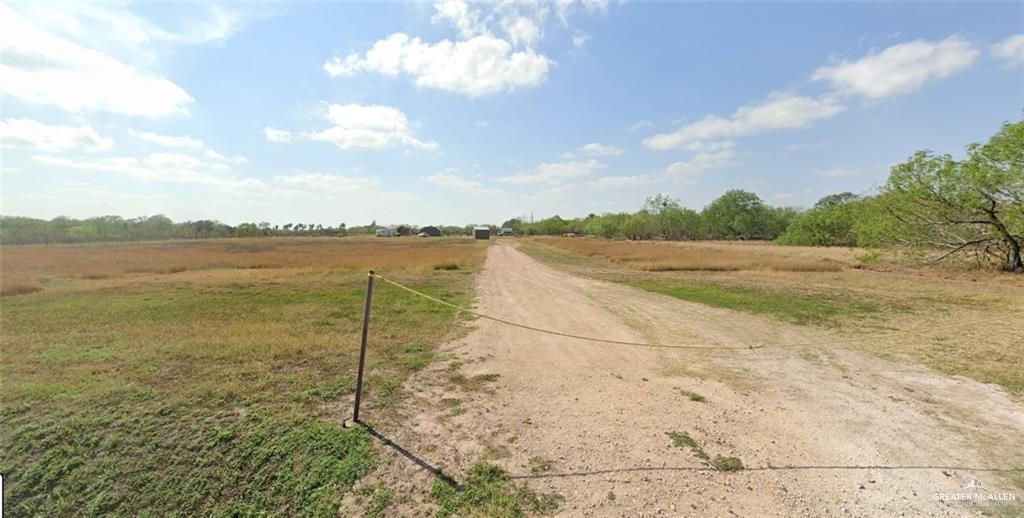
597	414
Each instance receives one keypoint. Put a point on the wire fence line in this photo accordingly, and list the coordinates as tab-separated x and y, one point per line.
906	333
897	333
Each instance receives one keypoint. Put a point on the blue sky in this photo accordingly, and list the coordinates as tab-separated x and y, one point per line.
457	113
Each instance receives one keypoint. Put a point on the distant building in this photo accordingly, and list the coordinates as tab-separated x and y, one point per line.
386	232
430	232
506	231
481	233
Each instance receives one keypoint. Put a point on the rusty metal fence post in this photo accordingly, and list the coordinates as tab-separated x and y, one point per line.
362	347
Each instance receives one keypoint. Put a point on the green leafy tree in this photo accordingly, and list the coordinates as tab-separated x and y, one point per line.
829	223
641	225
606	225
973	206
740	214
672	221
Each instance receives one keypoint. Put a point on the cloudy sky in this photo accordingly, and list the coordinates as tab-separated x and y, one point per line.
459	113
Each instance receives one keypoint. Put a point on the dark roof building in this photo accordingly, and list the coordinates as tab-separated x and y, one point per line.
431	231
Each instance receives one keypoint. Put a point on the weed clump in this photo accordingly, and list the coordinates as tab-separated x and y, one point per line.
719	463
727	463
683	439
489	491
692	396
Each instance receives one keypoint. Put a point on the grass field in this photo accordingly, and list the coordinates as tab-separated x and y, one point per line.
667	256
208	377
845	290
34	268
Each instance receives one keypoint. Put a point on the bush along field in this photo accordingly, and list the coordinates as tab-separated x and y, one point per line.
183	381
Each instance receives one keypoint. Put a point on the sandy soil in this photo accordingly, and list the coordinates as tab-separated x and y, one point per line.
821	430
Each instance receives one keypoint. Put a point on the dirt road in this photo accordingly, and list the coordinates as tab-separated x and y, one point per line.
822	431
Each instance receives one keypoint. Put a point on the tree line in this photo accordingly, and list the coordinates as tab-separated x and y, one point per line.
933	206
17	230
737	214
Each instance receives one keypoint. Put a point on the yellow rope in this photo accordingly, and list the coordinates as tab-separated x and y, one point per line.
657	345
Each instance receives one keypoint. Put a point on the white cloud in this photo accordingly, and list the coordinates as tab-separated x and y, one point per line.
328	182
41	68
521	30
350	66
596	149
565	8
277	135
481	65
837	172
449	179
1010	50
579	39
711	145
641	124
687	171
187	143
27	133
552	173
209	153
899	69
596	6
494	49
168	167
562	9
217	156
167	141
621	182
113	26
370	127
780	111
459	14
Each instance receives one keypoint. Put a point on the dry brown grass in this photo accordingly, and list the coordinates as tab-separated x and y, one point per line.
661	256
902	297
223	367
29	269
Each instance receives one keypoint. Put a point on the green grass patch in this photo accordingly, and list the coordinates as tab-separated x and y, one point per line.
379	500
489	491
798	308
122	463
415	357
727	463
214	398
719	463
692	396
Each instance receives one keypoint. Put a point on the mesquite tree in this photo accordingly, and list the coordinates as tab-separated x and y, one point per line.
973	206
